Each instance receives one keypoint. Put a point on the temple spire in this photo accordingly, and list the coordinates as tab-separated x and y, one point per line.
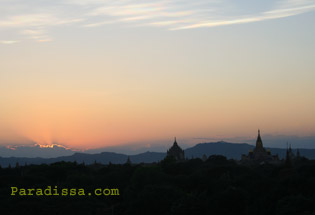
175	142
259	143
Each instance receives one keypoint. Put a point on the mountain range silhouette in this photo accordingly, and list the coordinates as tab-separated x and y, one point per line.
229	150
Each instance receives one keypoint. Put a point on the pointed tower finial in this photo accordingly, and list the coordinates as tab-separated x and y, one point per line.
259	143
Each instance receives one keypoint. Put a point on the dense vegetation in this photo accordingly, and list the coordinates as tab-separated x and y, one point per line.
216	186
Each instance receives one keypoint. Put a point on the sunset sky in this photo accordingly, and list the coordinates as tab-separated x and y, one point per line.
95	73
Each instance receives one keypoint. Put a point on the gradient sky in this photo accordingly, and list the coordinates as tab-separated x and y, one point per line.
94	73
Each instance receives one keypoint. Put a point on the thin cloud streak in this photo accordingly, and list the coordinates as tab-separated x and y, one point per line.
38	35
98	24
9	42
274	14
35	20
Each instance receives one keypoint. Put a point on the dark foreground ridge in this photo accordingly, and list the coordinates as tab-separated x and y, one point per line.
213	186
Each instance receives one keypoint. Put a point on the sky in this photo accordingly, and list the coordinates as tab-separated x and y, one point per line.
100	73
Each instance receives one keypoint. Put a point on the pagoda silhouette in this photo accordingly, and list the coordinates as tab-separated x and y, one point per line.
176	152
259	154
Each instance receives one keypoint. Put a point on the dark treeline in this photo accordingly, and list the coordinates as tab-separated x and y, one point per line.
214	186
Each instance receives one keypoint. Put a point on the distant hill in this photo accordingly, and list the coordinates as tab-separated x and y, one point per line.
229	150
235	150
103	158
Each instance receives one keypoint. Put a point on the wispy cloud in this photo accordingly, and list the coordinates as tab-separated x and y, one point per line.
36	19
97	24
37	34
272	14
9	42
183	14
